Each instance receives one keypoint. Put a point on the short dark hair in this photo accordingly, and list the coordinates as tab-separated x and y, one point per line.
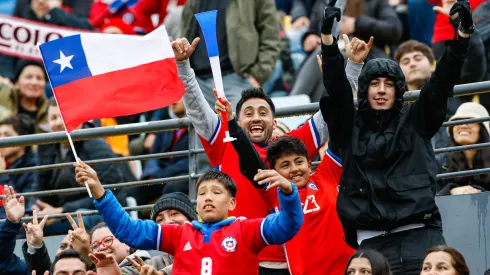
458	261
254	93
22	124
285	146
68	254
52	102
414	46
220	177
379	264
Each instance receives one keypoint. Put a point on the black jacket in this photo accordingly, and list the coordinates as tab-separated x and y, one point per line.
65	178
39	261
389	176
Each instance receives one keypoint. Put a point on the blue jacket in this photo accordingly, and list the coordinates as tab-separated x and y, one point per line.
143	234
163	168
9	262
24	182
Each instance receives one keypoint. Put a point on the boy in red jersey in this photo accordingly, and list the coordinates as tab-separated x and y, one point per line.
321	232
218	245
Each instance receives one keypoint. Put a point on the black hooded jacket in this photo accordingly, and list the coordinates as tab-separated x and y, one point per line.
389	176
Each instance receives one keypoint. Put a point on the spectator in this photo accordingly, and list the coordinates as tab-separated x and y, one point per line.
362	19
65	178
248	42
50	12
255	114
417	62
17	157
367	262
27	96
445	258
216	197
388	182
467	134
321	230
14	209
69	262
168	141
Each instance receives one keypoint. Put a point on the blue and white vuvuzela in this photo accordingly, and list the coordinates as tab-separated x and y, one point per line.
207	21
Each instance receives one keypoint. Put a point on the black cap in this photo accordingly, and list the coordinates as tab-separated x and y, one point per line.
176	200
22	63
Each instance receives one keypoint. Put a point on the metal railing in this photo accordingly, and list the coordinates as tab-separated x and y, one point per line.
166	125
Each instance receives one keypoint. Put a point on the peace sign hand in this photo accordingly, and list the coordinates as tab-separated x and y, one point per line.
142	267
79	236
34	230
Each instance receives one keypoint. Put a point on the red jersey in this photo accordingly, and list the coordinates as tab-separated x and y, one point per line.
223	156
228	247
319	246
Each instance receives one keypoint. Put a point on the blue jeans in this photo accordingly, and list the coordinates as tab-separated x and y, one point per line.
421	19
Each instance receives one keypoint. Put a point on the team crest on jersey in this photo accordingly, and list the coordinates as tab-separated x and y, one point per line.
312	186
229	244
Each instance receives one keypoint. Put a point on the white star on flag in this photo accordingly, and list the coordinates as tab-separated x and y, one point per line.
64	61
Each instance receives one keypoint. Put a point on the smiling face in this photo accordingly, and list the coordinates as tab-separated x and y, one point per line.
466	134
438	263
104	241
416	67
31	82
359	266
213	201
257	120
381	93
294	168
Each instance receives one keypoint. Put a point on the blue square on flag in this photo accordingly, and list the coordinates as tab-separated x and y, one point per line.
65	60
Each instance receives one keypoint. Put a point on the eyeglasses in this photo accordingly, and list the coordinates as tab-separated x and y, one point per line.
106	242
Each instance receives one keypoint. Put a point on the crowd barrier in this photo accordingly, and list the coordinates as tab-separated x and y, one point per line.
470	208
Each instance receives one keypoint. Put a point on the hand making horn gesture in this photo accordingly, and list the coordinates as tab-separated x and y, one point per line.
356	49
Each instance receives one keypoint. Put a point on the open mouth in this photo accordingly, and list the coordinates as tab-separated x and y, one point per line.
256	129
208	207
296	177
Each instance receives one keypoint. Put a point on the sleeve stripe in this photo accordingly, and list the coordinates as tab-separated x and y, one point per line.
262	232
336	159
314	133
159	237
215	133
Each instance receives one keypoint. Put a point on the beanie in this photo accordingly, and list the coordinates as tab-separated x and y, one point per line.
176	200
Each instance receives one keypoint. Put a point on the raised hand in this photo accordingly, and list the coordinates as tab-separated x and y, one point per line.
462	8
106	264
142	267
183	49
357	50
79	236
222	106
85	173
274	179
446	6
329	14
14	209
34	230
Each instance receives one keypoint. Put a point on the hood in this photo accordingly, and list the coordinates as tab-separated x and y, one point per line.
380	67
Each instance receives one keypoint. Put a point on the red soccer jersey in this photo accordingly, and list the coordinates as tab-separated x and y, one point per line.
319	246
222	155
230	249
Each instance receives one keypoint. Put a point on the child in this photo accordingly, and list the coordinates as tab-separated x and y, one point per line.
218	245
319	247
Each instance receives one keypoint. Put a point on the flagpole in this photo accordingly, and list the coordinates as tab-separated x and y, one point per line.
64	125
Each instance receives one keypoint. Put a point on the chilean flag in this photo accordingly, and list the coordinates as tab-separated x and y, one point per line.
98	75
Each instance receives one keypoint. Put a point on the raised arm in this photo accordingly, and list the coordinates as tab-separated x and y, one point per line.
429	111
202	117
138	234
337	104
